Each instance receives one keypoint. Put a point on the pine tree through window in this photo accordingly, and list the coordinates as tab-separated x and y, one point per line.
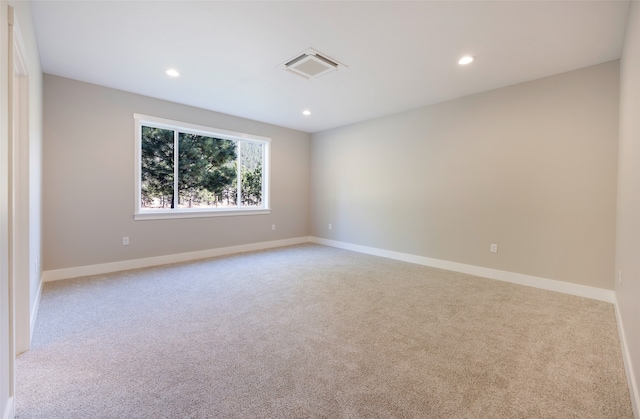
188	170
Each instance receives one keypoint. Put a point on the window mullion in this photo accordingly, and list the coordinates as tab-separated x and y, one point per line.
265	176
239	175
176	137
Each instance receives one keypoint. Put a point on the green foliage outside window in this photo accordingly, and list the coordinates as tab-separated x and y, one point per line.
207	171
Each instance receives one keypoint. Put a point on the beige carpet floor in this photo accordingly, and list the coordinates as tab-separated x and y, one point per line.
316	332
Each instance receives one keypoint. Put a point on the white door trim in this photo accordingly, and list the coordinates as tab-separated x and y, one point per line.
19	198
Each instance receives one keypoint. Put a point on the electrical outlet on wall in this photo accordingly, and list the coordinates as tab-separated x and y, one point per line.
494	248
125	241
330	226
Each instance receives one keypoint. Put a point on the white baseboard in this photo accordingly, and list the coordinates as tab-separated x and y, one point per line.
103	268
634	392
34	310
521	279
516	278
9	411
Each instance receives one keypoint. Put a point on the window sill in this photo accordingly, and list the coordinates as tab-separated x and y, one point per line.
190	213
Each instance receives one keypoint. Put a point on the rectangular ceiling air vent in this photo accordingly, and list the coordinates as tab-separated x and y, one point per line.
311	65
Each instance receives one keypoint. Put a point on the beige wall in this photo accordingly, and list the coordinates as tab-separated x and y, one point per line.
628	228
89	180
531	167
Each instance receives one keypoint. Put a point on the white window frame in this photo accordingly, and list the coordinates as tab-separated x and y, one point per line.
177	126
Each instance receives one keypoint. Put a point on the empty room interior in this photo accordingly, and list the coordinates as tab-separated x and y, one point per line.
349	209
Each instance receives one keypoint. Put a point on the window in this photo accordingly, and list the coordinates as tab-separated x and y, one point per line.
185	170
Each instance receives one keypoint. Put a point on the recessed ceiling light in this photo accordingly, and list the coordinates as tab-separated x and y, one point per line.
466	60
306	112
173	73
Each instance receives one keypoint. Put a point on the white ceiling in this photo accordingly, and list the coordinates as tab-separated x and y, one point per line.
400	55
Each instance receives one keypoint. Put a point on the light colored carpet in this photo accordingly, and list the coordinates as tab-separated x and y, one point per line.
312	331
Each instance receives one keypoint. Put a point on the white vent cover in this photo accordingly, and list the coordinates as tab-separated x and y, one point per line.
311	65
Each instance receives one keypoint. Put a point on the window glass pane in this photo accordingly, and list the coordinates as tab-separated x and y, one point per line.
191	171
207	170
251	171
157	168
